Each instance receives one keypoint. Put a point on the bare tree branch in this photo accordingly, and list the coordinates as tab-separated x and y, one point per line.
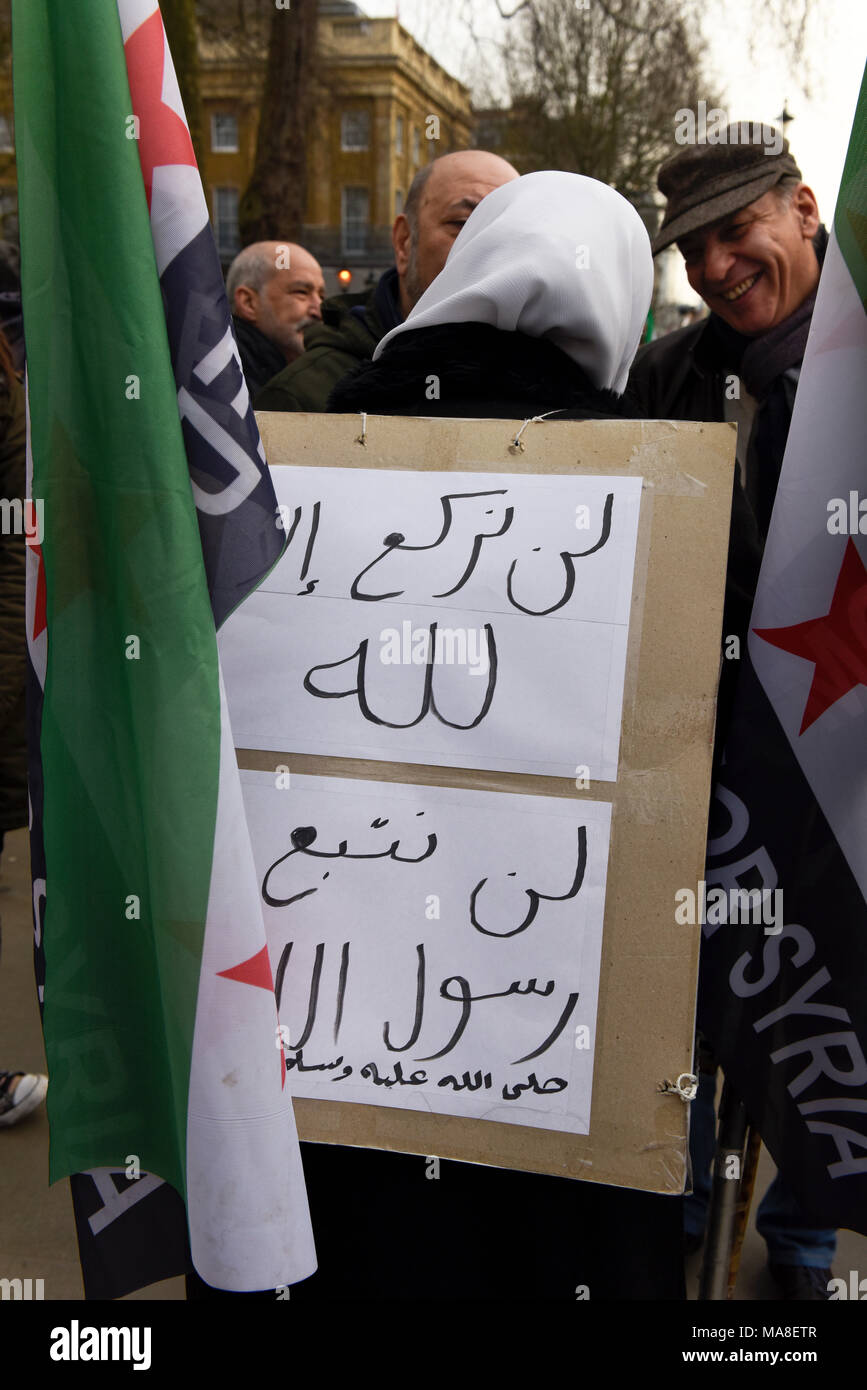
596	90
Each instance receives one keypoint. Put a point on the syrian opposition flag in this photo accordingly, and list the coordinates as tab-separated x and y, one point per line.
159	518
786	1011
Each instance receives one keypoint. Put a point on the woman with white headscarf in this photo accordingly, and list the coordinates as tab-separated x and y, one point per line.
540	307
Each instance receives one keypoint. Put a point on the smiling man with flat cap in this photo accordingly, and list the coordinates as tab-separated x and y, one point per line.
749	232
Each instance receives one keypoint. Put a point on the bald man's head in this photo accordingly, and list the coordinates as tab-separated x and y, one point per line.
440	199
277	286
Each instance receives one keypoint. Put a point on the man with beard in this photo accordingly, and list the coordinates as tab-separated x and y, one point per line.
275	290
749	232
441	197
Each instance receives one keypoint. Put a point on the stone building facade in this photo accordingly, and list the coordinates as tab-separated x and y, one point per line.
386	109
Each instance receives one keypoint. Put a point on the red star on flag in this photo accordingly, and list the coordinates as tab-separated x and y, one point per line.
836	643
163	137
257	971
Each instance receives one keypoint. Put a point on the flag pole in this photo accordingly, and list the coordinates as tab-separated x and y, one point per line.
745	1200
716	1278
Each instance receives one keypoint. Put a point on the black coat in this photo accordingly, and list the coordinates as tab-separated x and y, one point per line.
260	358
683	376
474	370
386	1228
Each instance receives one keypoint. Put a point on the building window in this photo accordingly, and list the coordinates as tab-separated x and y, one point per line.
7	145
398	201
355	130
354	220
398	135
224	132
226	222
416	146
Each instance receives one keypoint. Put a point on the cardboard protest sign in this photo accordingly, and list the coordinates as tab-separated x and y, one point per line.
475	703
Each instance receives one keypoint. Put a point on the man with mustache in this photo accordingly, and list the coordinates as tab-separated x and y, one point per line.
275	290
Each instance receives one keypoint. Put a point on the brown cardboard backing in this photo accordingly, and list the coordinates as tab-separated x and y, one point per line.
644	1027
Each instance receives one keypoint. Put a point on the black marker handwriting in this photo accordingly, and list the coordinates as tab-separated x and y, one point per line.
534	896
568	557
466	999
313	997
397	542
549	1087
428	703
371	1072
304	836
468	1082
298	1064
419	1008
555	1031
311	583
341	987
308	552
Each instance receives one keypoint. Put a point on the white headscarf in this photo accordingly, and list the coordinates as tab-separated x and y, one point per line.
552	255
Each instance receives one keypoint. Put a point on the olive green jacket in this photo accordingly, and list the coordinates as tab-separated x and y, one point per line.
332	349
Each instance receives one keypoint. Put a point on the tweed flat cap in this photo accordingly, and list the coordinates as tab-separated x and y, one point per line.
706	182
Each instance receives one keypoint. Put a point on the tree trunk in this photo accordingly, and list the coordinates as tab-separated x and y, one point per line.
179	18
273	206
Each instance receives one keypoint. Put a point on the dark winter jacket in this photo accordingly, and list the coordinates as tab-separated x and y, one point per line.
474	370
13	642
680	376
260	358
352	325
683	377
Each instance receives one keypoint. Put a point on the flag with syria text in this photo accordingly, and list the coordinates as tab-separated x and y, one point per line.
786	1010
159	518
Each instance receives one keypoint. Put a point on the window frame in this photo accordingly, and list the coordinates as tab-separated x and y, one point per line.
359	111
225	149
347	249
218	220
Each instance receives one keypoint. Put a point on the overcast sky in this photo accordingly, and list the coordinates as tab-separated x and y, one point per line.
753	85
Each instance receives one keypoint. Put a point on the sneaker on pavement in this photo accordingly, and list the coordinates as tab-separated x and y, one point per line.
799	1283
26	1097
